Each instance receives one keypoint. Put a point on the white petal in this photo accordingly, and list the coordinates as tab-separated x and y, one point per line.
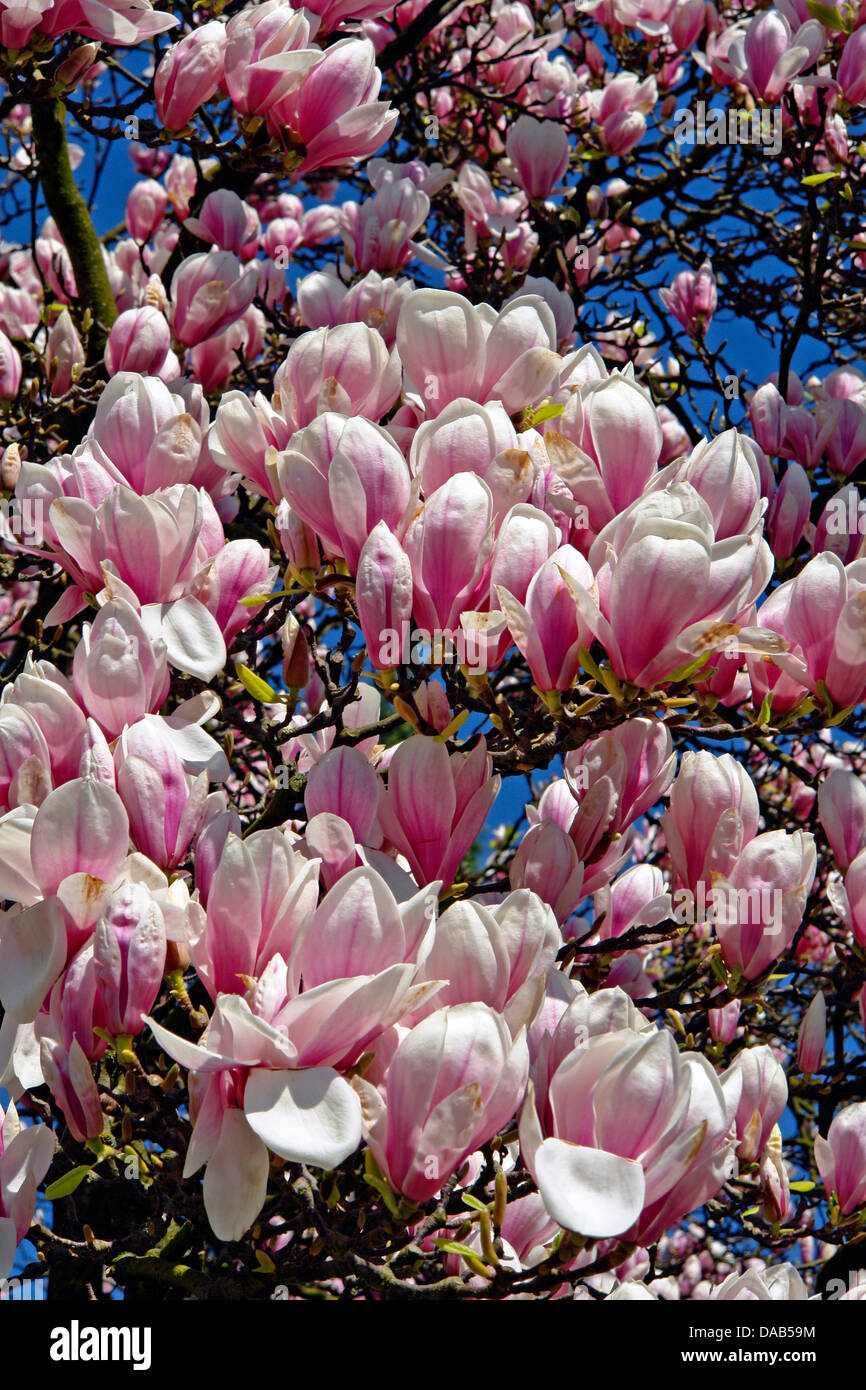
8	1246
17	879
236	1178
195	747
310	1116
188	1054
631	1291
590	1191
20	1067
192	638
32	955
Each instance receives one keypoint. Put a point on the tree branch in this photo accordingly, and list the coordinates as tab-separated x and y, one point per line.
69	211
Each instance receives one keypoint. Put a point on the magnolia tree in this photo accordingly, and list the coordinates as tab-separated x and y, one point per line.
433	626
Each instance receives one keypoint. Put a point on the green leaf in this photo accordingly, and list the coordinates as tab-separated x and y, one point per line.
252	599
841	716
259	689
473	1202
590	665
766	710
802	1187
718	968
827	15
455	1247
545	412
812	180
686	671
384	1192
68	1183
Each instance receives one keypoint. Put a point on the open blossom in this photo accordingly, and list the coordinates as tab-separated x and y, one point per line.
840	1157
25	1155
435	804
606	445
121	22
333	117
266	1072
268	53
264	884
144	435
377	234
166	555
821	614
651	549
454	1081
626	1134
539	152
692	299
498	955
548	628
189	73
227	222
67	865
769	55
448	350
324	301
249	1094
209	291
343	477
119	672
346	369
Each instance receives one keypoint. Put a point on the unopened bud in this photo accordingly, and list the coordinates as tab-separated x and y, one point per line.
10	466
812	1036
73	68
596	203
773	1177
155	296
296	654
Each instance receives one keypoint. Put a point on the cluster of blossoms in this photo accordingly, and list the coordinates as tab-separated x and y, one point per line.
254	922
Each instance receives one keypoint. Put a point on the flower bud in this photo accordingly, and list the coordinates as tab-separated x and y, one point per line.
73	68
812	1036
10	467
